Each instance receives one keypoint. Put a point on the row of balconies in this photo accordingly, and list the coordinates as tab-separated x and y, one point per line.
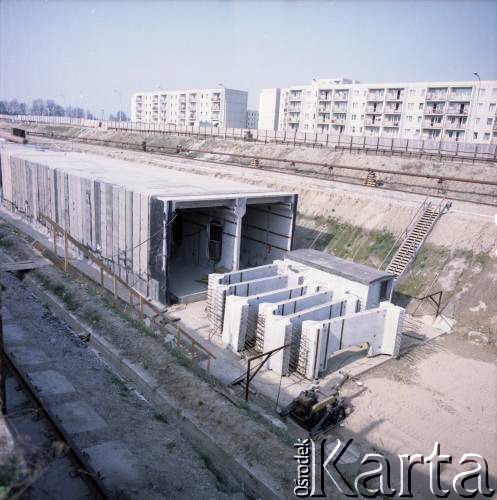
375	97
435	95
295	96
395	96
450	111
327	119
337	96
371	110
438	110
460	97
428	124
393	110
453	96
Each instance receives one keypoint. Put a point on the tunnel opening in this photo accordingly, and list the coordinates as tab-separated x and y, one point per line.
219	239
266	235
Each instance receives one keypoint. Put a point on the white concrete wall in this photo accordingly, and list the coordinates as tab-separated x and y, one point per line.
269	104
343	287
240	316
218	291
110	220
381	328
267	231
283	329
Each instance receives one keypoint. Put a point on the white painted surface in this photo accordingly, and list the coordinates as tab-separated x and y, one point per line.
390	110
380	328
221	107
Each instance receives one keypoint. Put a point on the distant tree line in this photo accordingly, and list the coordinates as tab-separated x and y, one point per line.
48	107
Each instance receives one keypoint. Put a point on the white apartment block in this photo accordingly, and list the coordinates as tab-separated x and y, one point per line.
221	107
252	118
462	111
269	106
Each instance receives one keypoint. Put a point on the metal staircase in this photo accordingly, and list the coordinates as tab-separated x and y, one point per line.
412	239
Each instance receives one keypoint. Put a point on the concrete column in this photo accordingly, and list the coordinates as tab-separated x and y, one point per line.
239	210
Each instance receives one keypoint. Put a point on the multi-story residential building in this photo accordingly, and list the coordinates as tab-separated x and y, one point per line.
252	118
220	107
450	111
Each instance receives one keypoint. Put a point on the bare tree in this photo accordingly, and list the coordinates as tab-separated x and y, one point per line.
38	107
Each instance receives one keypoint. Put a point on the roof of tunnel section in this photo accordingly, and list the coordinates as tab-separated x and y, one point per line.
147	179
341	267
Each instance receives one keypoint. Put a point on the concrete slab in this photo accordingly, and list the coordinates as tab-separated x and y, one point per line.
50	382
6	315
78	416
115	462
13	333
14	397
25	355
158	181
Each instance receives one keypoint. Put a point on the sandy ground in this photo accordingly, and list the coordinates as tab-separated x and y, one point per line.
445	391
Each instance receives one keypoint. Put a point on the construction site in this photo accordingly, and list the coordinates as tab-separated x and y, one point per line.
190	303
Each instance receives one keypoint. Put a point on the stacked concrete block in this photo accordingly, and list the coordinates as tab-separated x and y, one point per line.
380	328
311	302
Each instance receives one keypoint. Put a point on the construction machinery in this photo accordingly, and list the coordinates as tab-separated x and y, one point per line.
315	414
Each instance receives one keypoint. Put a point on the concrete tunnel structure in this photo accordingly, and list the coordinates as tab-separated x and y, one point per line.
161	230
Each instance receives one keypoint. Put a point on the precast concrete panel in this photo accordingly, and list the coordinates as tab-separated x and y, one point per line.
380	328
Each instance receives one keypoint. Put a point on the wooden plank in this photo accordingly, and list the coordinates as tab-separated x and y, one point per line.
24	265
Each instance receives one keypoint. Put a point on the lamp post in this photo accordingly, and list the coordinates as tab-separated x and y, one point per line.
120	102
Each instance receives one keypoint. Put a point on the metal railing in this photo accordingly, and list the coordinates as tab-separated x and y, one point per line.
402	236
158	315
458	151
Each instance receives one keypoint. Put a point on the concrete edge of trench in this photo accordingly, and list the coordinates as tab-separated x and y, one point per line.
239	475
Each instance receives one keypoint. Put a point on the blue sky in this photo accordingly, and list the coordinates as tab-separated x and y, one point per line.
78	52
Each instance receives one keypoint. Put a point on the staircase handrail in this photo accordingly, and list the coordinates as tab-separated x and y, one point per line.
426	203
433	222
